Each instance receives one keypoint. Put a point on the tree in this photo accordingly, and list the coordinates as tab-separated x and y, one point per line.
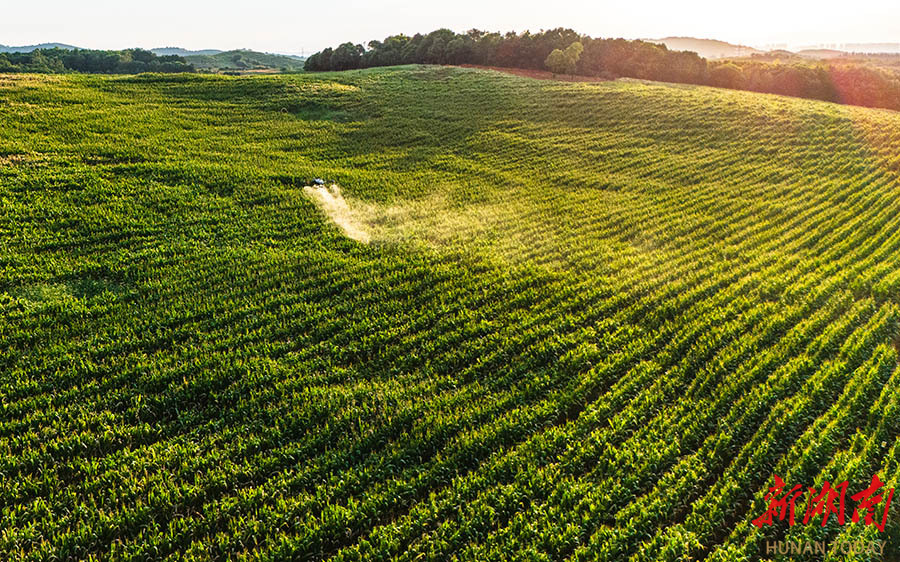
142	55
573	54
324	60
727	75
557	62
5	65
347	56
410	52
436	53
459	50
564	62
39	63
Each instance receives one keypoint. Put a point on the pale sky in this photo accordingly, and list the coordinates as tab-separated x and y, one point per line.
293	26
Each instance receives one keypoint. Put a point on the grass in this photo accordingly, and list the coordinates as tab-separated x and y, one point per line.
591	322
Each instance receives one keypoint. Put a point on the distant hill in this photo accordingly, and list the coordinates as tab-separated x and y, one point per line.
871	48
821	53
209	60
163	51
245	60
706	48
827	51
167	51
29	48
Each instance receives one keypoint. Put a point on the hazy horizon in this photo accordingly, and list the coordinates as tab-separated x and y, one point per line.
281	26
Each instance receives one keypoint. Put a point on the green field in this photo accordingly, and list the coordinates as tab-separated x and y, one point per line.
588	321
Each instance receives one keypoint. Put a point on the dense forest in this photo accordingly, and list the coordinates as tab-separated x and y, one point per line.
844	82
59	61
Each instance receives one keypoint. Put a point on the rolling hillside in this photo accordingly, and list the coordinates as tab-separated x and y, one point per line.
245	60
535	320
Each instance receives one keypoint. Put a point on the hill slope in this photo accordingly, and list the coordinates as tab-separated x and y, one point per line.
29	48
245	60
178	51
821	53
590	321
706	48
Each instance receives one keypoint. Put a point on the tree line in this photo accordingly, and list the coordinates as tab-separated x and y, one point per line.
600	57
853	83
59	61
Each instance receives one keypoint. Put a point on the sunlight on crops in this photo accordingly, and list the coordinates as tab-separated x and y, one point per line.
531	319
490	228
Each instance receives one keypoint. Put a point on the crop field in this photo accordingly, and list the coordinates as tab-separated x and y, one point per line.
531	320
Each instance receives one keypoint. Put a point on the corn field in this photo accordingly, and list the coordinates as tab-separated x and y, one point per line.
588	321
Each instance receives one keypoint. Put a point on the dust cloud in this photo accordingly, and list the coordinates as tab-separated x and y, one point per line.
333	204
